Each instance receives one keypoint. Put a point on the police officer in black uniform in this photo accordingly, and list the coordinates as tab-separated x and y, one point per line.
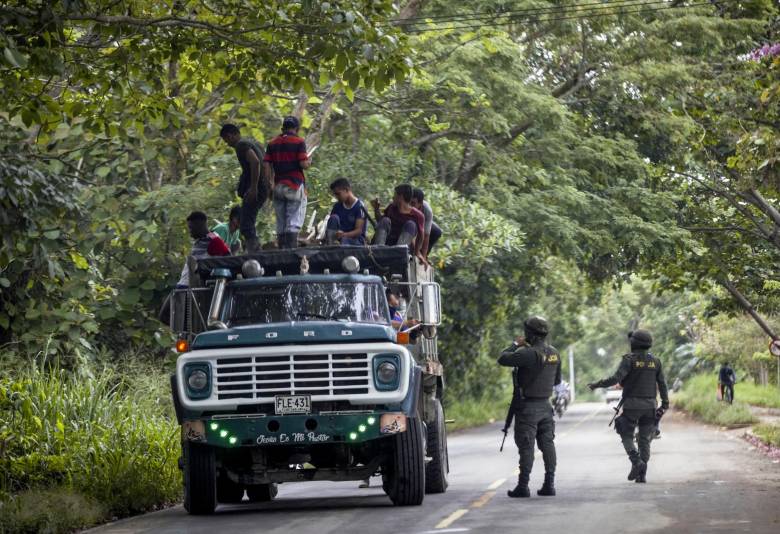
537	368
640	373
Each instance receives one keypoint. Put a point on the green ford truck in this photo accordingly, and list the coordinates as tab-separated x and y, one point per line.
292	370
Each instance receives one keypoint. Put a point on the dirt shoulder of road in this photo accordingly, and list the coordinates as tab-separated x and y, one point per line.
744	432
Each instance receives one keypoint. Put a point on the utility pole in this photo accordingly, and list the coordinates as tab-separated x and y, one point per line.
571	371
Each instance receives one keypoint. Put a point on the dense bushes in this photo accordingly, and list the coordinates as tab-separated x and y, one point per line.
98	439
698	397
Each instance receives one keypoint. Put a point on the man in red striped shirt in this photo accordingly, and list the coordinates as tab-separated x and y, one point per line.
285	159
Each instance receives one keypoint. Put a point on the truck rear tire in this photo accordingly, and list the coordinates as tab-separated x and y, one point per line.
228	491
200	479
404	479
262	492
437	470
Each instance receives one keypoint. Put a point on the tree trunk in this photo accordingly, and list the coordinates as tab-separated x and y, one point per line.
320	122
729	285
758	200
300	106
354	124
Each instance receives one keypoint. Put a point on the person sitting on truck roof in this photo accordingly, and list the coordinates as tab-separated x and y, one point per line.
205	244
348	218
285	159
431	230
400	223
229	231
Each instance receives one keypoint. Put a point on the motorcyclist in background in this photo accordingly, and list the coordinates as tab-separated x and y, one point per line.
562	397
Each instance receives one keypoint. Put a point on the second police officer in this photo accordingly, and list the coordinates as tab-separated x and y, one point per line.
640	373
537	368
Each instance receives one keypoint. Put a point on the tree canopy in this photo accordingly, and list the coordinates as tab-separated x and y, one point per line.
566	147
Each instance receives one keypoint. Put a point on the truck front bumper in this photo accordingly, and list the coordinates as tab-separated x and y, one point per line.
252	431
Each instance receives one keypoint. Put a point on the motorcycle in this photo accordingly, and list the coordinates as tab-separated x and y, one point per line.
560	404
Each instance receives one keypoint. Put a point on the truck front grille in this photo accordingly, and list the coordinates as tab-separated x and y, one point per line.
318	375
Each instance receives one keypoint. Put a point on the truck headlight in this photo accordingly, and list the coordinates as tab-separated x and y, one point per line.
197	378
387	372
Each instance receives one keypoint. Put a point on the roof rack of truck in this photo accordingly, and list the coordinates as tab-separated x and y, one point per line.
376	259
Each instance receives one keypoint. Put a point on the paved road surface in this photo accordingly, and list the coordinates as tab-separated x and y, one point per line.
700	480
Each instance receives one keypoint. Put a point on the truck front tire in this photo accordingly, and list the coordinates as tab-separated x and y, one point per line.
404	476
437	470
200	479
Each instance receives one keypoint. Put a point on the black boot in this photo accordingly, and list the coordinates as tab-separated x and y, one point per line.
548	488
637	465
641	473
521	490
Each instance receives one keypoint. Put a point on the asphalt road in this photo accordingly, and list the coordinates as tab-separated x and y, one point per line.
699	480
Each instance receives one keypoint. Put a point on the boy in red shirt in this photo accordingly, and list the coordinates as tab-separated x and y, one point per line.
285	159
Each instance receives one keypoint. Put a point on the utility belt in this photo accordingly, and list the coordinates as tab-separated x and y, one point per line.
519	401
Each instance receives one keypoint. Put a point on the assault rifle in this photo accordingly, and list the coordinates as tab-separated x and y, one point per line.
617	411
507	424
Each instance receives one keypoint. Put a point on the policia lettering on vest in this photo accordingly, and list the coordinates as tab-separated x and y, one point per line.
537	368
641	374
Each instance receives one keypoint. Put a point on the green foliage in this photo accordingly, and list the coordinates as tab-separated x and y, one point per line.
473	412
603	327
756	395
95	432
739	341
52	510
768	433
698	397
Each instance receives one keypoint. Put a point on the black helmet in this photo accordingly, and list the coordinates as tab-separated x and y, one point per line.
640	339
536	325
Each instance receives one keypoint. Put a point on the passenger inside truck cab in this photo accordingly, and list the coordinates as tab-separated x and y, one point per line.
396	319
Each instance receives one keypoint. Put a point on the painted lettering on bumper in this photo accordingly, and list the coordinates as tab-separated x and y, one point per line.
298	429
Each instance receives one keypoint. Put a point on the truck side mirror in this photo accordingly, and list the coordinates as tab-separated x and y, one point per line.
431	303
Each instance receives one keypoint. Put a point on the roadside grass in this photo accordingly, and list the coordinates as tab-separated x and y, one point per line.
698	397
768	433
96	438
470	412
765	396
50	510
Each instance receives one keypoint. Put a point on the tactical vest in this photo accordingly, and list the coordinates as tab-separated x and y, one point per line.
538	381
641	380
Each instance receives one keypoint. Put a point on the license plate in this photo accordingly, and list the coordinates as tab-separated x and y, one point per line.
287	404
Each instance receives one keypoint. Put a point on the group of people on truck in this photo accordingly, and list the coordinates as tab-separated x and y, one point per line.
277	174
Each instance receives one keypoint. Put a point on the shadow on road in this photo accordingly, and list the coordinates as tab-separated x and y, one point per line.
304	505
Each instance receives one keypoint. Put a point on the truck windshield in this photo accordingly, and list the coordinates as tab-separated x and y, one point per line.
318	301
